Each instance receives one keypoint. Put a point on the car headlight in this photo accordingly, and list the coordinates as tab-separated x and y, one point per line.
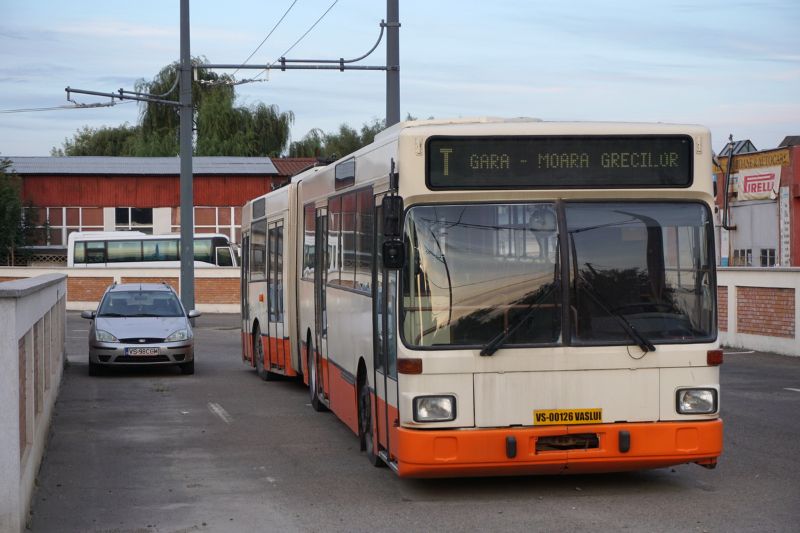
104	336
180	335
434	408
697	401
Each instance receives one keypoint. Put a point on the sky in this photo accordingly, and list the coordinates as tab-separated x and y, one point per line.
733	66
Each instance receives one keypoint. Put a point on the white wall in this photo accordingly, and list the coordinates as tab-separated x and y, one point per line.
32	314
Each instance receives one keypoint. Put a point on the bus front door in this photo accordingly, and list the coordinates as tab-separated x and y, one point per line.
385	346
322	259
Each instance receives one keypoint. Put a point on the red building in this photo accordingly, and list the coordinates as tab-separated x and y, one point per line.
143	193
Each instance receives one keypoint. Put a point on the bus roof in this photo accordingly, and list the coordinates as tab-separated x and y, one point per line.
125	235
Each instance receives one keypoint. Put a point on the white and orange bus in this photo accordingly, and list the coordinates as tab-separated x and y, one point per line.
481	297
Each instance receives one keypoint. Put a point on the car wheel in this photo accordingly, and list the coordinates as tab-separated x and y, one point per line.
94	368
187	368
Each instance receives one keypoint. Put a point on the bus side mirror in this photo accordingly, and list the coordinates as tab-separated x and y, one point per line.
394	254
392	207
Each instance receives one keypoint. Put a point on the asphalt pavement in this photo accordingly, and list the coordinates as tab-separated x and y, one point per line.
151	450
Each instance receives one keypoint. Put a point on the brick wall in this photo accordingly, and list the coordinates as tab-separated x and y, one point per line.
722	305
765	311
217	291
81	289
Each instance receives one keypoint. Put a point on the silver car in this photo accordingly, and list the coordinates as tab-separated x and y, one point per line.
140	324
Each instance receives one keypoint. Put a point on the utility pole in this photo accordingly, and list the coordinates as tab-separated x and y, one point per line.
187	193
392	63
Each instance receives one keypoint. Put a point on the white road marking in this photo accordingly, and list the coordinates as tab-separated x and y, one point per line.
220	412
791	389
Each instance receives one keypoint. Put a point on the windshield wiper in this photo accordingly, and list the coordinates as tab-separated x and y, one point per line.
493	345
643	342
111	315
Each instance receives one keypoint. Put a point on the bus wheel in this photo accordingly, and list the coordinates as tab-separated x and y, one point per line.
258	354
365	424
313	380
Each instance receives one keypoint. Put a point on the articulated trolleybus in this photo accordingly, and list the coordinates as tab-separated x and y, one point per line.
482	297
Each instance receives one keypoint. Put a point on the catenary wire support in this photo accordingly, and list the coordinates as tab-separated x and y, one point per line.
340	64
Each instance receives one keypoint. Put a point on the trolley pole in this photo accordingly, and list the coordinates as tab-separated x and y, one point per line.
186	190
392	62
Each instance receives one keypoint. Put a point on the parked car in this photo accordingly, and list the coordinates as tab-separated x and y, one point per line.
140	324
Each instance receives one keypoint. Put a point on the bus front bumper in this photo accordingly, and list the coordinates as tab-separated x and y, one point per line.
514	451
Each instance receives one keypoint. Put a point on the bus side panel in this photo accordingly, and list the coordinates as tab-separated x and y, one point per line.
349	339
342	393
306	321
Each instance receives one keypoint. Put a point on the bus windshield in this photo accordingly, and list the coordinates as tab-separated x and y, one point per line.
474	270
639	273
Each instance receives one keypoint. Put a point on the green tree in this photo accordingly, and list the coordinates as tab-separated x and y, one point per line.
118	140
15	227
222	128
337	144
334	145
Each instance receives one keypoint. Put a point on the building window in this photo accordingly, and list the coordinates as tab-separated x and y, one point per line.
743	257
134	218
767	257
224	220
56	223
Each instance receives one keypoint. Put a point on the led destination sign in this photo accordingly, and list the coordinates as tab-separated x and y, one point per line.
559	162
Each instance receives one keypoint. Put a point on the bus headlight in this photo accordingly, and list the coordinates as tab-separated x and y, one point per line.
434	408
697	401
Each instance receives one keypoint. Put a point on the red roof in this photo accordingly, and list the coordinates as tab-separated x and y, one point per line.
289	166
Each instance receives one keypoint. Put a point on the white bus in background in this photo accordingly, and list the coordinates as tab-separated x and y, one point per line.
93	249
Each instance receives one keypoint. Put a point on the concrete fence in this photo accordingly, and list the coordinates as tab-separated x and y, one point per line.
33	316
216	290
759	308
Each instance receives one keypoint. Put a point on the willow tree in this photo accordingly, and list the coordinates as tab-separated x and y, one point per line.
222	127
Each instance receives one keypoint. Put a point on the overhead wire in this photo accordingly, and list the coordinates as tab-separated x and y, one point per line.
60	107
256	78
267	37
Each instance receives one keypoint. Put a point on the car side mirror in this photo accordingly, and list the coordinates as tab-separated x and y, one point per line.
88	314
194	313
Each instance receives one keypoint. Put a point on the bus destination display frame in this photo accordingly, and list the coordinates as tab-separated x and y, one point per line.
560	161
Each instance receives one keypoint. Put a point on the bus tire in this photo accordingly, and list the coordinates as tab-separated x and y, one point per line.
258	354
313	381
365	424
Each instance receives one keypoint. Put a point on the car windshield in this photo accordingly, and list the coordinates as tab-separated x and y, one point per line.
489	275
139	304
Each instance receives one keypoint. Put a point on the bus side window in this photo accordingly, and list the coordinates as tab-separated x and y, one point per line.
224	258
96	252
79	255
202	251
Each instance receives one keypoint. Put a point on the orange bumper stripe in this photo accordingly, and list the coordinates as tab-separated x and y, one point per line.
477	452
